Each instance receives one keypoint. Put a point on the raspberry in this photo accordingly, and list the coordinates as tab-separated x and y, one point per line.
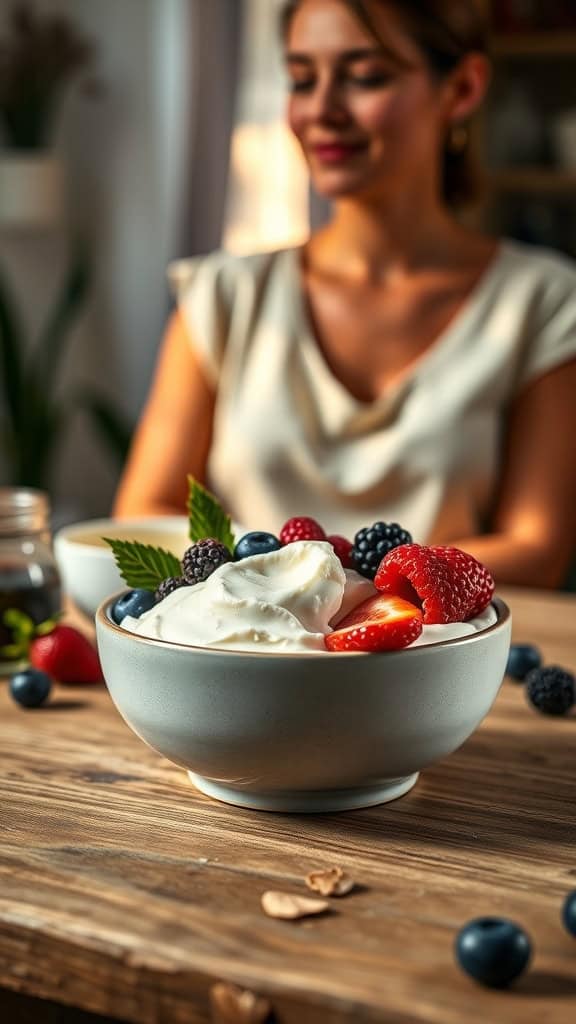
373	542
479	579
301	528
168	585
419	575
550	689
343	549
200	560
450	584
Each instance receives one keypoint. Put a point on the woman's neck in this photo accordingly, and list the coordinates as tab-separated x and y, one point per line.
376	242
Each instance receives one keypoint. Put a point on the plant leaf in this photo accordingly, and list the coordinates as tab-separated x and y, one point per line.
114	430
143	565
207	517
11	348
52	342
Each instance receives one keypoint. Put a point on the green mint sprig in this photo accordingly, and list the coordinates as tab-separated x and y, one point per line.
143	566
207	517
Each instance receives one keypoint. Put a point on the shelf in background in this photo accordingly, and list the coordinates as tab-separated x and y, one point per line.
532	44
548	181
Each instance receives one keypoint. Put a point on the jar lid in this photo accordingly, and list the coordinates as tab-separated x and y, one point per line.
23	510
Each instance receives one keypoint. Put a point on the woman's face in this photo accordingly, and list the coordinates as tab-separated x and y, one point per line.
367	120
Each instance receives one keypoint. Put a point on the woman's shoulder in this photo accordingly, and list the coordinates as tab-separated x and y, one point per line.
538	267
224	271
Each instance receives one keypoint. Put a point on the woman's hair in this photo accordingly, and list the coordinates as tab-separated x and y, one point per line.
445	31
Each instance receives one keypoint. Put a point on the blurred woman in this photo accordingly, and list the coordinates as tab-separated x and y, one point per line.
398	366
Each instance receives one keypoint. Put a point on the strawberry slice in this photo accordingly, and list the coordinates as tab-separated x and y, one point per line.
66	655
382	623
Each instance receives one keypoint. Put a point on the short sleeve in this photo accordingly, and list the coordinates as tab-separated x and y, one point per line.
551	328
201	288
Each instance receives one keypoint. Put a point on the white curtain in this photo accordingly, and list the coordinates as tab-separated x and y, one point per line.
268	195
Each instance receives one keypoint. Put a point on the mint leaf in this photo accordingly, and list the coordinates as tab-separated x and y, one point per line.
143	565
207	517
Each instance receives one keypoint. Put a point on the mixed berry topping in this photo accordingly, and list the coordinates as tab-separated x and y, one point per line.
449	585
372	543
256	543
200	560
133	602
301	528
168	586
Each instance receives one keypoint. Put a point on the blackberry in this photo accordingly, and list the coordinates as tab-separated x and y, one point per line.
373	542
168	585
550	689
200	561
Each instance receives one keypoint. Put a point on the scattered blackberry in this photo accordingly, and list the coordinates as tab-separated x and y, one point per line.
200	560
550	689
168	585
373	542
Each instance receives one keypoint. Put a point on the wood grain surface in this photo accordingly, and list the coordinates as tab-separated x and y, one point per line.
125	892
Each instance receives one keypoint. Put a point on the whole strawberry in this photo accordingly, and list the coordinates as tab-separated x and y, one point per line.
301	528
66	655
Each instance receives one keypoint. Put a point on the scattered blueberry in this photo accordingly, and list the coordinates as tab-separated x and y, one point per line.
522	659
134	603
256	543
569	913
493	950
550	689
31	687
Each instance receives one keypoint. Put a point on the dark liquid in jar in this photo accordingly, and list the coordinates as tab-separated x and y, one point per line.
39	600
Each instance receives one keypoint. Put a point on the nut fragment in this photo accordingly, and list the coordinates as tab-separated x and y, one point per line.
231	1004
330	882
288	906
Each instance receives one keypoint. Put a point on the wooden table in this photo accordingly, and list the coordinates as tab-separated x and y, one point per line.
125	892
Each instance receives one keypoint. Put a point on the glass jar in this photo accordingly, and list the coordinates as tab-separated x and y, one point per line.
29	578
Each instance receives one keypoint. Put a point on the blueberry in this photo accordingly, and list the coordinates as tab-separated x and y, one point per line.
569	913
493	950
522	659
134	603
256	544
31	687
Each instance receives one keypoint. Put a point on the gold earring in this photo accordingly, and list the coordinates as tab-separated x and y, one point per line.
458	138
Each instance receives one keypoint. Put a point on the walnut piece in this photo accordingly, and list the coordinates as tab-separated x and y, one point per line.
330	882
289	907
231	1004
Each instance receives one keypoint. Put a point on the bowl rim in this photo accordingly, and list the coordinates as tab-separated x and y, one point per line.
66	534
103	618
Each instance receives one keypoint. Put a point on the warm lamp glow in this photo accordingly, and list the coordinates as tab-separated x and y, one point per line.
268	205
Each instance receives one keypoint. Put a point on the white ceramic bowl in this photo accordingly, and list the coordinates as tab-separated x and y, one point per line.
87	565
303	732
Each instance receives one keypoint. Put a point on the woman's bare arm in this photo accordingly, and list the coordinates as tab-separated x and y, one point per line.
534	536
174	432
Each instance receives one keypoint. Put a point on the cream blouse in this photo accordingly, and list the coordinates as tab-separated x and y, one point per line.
289	439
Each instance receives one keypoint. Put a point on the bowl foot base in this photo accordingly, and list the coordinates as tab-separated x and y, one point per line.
307	801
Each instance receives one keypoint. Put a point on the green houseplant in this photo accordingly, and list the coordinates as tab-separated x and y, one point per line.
34	413
40	56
